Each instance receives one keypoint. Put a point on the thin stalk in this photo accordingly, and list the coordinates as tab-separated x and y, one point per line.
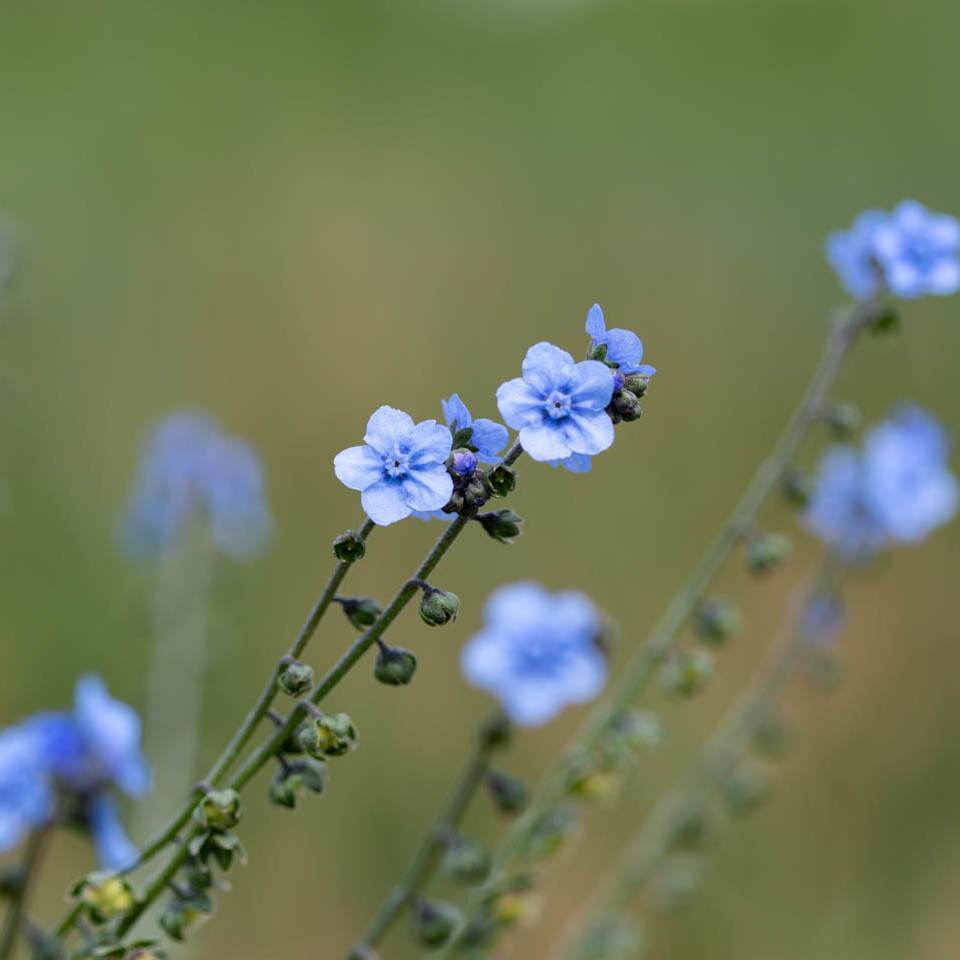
656	835
638	672
431	845
32	856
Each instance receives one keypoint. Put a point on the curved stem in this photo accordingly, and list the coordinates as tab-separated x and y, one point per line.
638	672
32	855
655	838
431	844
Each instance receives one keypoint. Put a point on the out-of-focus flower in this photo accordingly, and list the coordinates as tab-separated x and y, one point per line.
558	406
401	467
852	255
623	347
897	489
537	652
191	469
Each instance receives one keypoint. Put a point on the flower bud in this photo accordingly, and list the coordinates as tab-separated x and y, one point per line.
775	736
637	730
626	406
501	481
715	620
307	774
349	547
516	907
106	896
767	551
282	792
502	525
636	383
885	321
434	921
691	832
550	832
438	607
610	941
509	794
362	612
678	879
843	419
495	731
797	487
332	736
462	438
686	674
598	352
745	789
595	785
395	666
219	809
295	678
183	913
463	462
466	861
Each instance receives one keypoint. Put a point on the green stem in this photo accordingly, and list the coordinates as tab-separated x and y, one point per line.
32	855
655	838
638	672
425	859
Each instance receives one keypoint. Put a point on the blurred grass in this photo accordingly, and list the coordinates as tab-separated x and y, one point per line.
291	214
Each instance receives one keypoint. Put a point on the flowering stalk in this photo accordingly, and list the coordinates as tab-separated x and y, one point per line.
425	859
637	674
659	831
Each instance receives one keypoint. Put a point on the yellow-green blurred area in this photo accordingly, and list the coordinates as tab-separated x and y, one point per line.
292	213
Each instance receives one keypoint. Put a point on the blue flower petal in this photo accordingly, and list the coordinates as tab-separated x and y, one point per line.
592	386
428	442
427	488
625	348
595	325
575	463
383	428
589	433
546	441
519	403
456	413
489	438
114	847
384	502
358	467
546	368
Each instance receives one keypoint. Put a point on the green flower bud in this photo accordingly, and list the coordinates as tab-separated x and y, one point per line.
502	525
637	730
797	487
282	791
501	481
767	551
599	352
885	321
434	921
495	731
679	877
686	674
610	941
550	833
462	438
333	736
509	794
466	861
843	419
219	809
636	383
307	774
295	679
183	913
223	846
349	547
362	612
745	789
626	405
438	607
395	666
691	832
105	896
775	736
715	620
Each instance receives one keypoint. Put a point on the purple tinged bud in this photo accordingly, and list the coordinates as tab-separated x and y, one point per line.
464	463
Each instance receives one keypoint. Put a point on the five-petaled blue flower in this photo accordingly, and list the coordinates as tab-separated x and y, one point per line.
896	489
192	470
624	347
558	406
77	757
537	652
401	467
911	252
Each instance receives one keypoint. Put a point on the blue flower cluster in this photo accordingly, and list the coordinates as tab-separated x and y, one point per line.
68	762
191	470
564	412
910	252
897	488
537	652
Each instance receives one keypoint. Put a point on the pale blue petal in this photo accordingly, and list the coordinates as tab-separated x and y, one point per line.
532	703
427	515
595	325
384	502
506	603
429	443
624	347
592	386
114	848
645	370
545	441
590	433
358	467
456	413
575	463
546	367
484	660
519	404
489	438
427	488
944	278
944	231
385	427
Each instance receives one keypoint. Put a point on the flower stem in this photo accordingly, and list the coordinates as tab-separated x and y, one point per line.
424	860
638	672
32	855
656	835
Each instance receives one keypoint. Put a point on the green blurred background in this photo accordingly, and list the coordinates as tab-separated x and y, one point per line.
291	213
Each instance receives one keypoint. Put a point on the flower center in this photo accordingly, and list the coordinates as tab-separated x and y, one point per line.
557	405
396	466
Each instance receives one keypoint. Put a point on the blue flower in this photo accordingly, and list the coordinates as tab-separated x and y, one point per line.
852	255
537	652
558	406
624	347
918	251
489	437
401	467
191	470
82	755
896	489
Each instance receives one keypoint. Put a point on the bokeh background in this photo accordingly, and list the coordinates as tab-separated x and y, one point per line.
291	213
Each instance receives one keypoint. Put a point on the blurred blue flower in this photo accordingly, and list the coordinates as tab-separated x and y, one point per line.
537	652
918	251
896	489
558	406
489	437
191	469
80	756
401	467
624	347
910	251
